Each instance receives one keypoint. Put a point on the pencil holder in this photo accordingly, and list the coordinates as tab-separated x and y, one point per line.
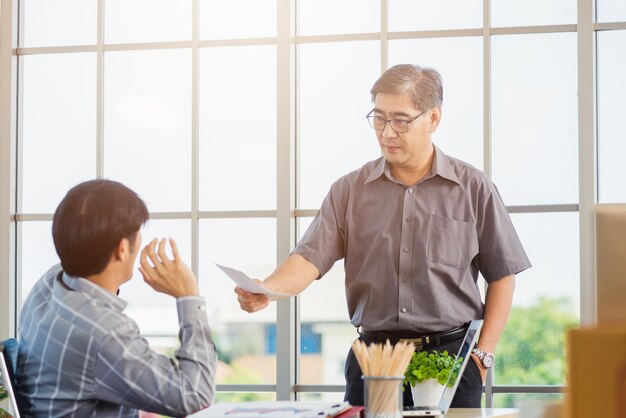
383	396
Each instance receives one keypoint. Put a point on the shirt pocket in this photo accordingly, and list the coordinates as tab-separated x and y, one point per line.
451	242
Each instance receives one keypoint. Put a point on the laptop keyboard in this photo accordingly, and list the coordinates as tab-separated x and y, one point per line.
419	408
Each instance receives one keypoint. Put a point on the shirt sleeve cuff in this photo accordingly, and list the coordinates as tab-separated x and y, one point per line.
191	308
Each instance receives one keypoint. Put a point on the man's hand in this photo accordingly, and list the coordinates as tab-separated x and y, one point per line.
251	302
481	369
292	276
172	277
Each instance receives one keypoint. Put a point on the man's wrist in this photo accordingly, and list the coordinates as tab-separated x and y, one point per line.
487	359
191	308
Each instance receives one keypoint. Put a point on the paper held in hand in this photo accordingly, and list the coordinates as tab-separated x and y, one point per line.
246	283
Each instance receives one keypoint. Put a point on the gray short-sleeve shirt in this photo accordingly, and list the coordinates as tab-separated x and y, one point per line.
413	254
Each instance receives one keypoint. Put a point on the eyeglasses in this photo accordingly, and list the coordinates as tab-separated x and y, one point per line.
399	126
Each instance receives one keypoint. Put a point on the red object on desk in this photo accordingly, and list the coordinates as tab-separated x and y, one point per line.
353	412
621	391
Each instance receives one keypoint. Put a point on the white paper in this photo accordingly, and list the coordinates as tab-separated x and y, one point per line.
246	283
279	409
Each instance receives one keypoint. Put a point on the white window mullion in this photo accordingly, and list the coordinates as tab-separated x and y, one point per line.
287	323
100	92
587	159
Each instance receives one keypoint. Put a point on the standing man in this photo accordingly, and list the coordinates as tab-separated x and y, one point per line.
415	228
79	354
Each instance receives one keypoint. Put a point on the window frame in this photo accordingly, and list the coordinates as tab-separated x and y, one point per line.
286	213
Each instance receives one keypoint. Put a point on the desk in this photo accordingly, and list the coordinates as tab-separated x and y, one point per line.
221	410
482	412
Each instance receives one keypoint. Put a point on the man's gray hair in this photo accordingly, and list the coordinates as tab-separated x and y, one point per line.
423	84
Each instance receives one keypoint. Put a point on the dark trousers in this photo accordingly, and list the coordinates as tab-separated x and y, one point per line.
468	394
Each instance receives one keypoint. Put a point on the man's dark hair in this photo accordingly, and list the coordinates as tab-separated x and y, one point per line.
90	222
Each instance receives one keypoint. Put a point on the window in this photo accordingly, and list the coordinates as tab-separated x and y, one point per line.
184	101
58	115
333	102
534	122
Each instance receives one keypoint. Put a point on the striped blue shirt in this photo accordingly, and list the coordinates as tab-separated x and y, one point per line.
81	356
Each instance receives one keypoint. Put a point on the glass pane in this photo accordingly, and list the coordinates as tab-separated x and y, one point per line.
326	334
237	128
147	21
611	123
334	137
246	344
461	131
412	15
237	19
58	129
155	312
530	404
611	10
147	125
532	12
38	254
324	17
59	22
244	396
321	396
546	302
534	118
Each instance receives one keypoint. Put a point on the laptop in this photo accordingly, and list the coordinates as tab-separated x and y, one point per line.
8	398
462	358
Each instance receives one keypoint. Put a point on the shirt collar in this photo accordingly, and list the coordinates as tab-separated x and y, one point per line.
378	170
441	166
82	285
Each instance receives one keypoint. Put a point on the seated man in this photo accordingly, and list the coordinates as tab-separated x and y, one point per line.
79	354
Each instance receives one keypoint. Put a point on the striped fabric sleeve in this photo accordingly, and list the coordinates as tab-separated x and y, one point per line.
128	372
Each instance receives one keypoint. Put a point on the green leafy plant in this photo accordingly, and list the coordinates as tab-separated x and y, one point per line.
429	365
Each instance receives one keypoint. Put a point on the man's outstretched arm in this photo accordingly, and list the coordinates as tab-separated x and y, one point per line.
292	276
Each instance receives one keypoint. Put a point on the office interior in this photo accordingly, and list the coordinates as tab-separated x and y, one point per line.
232	119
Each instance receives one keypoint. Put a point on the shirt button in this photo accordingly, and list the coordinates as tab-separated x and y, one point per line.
405	249
404	280
410	191
403	310
202	308
408	219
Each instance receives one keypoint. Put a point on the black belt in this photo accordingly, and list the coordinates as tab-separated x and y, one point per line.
421	340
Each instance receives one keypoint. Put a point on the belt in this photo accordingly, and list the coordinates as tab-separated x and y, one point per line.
421	340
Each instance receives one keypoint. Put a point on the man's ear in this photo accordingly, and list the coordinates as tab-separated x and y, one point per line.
434	118
122	250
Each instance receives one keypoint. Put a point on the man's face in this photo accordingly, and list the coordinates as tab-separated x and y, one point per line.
403	150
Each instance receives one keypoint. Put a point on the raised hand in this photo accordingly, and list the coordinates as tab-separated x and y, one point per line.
170	276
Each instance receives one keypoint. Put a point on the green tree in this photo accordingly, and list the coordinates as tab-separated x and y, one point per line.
240	374
532	348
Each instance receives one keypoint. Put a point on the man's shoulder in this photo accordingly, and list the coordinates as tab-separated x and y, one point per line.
467	173
51	300
360	175
43	288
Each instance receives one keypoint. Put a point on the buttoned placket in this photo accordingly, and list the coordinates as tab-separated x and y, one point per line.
406	258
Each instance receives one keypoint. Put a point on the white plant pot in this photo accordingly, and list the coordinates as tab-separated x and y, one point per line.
427	393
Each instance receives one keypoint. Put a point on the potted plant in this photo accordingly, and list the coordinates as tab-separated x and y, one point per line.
427	373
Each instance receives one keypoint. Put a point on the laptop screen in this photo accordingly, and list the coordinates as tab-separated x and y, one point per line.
460	363
8	400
